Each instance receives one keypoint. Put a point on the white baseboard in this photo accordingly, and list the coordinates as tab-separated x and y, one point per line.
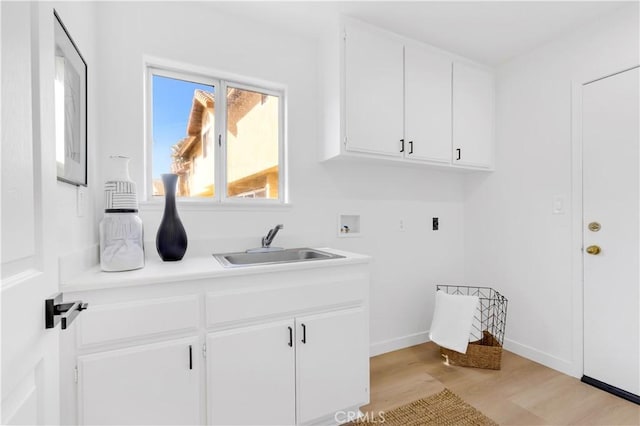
543	358
517	348
402	342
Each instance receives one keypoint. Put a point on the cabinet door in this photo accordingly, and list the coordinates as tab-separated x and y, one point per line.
333	363
149	384
473	116
427	105
251	375
373	92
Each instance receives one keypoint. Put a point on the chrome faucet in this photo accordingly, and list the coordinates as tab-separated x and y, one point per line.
267	239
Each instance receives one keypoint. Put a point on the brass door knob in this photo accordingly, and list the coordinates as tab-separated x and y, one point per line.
593	250
594	227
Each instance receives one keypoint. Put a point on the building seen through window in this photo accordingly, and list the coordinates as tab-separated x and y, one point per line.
188	141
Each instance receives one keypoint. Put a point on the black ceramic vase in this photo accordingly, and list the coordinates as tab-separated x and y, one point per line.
171	240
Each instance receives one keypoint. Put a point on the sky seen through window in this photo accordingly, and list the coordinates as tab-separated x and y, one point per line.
172	100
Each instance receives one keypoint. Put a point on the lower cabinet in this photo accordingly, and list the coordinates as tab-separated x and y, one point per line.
331	376
256	373
251	375
150	384
285	348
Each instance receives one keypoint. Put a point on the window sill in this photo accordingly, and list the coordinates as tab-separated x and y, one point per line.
207	205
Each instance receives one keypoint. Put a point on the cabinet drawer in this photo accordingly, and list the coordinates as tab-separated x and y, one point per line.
254	303
123	321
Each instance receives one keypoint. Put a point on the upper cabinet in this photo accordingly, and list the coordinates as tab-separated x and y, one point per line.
373	93
389	97
473	116
427	95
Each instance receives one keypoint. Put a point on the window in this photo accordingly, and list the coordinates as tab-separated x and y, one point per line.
223	139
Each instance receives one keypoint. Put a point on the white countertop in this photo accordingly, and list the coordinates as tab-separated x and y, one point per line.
193	268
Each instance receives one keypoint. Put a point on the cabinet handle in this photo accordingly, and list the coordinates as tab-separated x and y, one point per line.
402	145
304	334
459	151
410	147
290	336
190	357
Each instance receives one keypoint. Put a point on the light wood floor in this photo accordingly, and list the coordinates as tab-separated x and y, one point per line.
521	393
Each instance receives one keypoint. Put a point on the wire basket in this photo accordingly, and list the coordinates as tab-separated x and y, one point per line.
487	330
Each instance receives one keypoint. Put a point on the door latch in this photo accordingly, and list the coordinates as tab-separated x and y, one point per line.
64	313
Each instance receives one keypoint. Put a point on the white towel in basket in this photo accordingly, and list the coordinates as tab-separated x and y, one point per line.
452	320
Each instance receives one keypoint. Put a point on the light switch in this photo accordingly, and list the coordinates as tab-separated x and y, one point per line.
81	196
559	204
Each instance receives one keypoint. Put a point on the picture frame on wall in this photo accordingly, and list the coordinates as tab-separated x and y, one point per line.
70	97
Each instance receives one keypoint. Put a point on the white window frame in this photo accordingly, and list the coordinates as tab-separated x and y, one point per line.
219	158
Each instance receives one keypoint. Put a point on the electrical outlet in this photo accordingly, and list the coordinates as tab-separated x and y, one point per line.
435	224
401	225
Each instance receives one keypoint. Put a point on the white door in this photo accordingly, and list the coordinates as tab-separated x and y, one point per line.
251	375
473	115
611	118
154	384
30	367
373	92
427	105
332	359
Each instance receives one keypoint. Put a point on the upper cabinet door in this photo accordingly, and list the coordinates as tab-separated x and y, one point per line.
473	116
373	92
427	105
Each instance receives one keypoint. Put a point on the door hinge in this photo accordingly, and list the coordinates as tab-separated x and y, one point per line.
204	350
220	140
344	36
345	141
75	374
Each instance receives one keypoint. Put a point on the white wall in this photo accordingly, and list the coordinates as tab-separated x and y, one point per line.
78	235
512	240
406	265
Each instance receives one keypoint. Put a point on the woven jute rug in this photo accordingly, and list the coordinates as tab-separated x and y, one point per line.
443	408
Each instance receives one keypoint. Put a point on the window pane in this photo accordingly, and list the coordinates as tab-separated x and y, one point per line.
252	144
183	135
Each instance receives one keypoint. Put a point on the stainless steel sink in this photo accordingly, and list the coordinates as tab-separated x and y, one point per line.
230	260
